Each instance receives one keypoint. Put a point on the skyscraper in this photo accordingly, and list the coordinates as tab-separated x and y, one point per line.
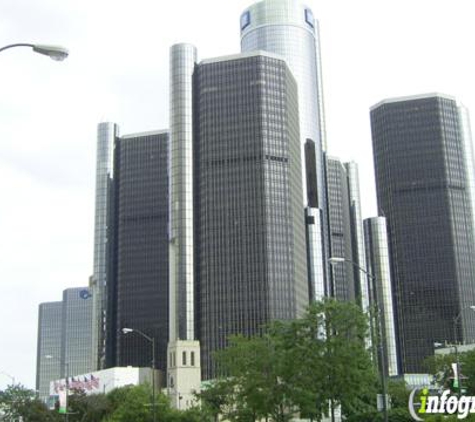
377	252
357	234
138	241
347	282
183	378
342	284
289	29
424	189
65	345
183	58
106	135
49	344
76	337
250	237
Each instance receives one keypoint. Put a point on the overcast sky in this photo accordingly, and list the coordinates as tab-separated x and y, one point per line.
118	71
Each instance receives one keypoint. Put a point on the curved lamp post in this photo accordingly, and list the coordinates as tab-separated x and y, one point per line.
53	51
381	346
152	342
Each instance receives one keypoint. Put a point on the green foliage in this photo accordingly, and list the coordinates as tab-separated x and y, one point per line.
19	402
88	408
134	405
399	393
394	415
467	364
440	366
297	367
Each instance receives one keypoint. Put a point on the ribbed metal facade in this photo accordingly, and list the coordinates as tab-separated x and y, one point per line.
251	260
106	135
422	187
362	289
342	277
377	251
183	58
313	224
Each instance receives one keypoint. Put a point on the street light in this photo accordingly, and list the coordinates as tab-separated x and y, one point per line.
66	364
126	330
339	260
456	321
53	51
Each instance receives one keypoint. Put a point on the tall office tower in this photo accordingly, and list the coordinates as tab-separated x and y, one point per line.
377	253
251	264
183	58
76	337
347	281
288	28
138	284
182	377
107	132
314	230
342	277
356	223
422	167
49	344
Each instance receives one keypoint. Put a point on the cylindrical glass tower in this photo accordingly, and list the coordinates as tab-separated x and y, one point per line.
377	253
183	58
106	134
288	28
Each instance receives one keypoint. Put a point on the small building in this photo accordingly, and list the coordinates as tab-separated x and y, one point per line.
107	380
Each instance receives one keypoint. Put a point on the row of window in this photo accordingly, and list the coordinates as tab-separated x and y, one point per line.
184	359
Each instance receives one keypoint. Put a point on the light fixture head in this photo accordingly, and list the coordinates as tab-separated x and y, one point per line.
55	52
127	330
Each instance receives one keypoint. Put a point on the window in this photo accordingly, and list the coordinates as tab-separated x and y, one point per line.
309	18
192	359
184	358
245	20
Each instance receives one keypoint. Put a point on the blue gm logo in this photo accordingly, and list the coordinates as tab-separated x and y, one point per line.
85	294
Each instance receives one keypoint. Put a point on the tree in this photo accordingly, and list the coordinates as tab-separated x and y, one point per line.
467	365
88	408
399	394
215	398
255	384
134	405
19	402
440	366
298	366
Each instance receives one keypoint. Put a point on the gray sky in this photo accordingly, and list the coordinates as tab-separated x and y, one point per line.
118	71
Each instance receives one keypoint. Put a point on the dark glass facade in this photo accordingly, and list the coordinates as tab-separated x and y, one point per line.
423	190
250	239
342	277
138	294
50	323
